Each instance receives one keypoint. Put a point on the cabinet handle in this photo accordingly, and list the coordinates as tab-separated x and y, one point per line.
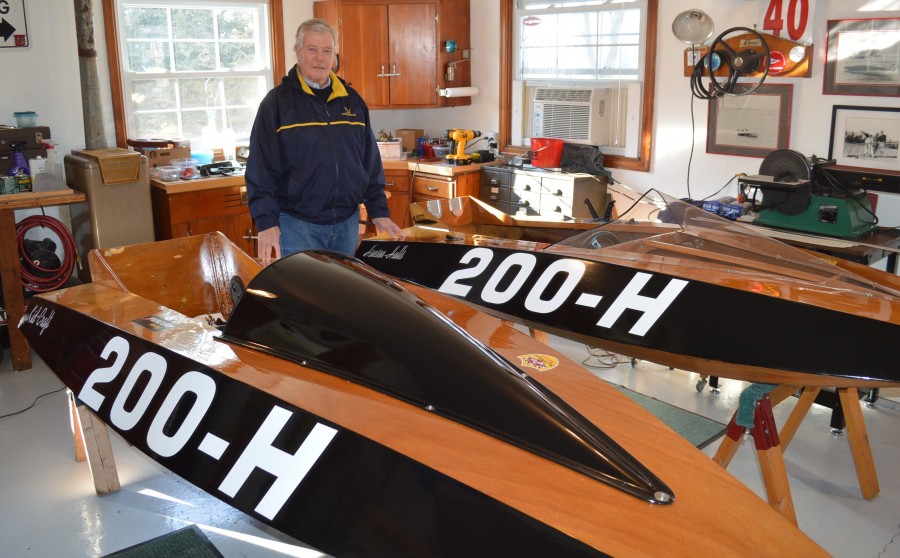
431	188
249	235
393	73
390	183
559	192
494	181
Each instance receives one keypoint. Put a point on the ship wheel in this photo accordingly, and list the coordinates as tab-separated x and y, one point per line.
740	62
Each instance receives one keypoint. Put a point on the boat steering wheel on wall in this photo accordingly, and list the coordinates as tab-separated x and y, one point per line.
750	57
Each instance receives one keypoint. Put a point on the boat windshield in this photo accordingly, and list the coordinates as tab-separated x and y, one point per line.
698	238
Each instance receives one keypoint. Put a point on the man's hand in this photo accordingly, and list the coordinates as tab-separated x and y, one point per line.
385	225
267	241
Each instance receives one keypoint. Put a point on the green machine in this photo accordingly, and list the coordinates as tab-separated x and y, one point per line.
800	194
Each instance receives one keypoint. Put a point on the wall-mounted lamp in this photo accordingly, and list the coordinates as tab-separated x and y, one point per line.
692	27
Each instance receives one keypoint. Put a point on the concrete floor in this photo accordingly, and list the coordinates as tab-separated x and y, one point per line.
48	507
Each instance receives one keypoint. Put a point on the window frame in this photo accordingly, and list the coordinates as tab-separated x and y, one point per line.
116	82
507	75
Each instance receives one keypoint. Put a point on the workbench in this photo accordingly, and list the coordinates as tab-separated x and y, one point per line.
868	249
10	271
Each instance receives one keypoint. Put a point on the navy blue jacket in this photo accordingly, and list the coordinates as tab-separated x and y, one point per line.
313	160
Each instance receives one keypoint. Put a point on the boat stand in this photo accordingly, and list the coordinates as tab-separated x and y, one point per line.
770	446
92	443
769	452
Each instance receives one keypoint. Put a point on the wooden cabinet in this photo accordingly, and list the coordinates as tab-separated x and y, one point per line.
397	183
426	186
394	52
207	205
544	193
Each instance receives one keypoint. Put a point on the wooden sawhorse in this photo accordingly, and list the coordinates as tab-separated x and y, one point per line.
770	446
92	444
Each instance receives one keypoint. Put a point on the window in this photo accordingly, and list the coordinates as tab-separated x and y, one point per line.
579	41
192	71
582	70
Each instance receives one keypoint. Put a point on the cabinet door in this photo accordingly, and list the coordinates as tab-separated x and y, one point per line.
391	51
238	228
396	182
399	206
364	52
413	49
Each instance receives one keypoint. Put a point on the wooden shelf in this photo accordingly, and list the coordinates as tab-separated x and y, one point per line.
10	271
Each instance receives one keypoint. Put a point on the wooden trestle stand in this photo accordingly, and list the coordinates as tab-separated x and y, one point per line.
770	446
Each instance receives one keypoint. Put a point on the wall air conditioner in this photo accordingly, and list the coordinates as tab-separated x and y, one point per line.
593	116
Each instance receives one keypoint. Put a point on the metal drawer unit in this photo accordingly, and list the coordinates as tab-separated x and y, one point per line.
542	192
495	186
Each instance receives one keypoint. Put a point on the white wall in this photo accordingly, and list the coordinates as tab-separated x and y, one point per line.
672	131
44	76
47	81
811	110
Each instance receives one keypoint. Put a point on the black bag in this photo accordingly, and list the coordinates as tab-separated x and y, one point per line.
583	158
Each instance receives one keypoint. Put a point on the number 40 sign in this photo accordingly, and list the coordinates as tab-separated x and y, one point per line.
789	19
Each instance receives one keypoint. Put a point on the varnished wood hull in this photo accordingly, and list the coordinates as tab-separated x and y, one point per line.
738	306
379	475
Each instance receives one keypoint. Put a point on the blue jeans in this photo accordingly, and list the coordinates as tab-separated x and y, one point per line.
298	235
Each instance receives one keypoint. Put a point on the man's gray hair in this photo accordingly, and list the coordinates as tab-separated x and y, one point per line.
316	25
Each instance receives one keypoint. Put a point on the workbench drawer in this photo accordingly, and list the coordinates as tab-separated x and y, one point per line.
396	181
202	204
438	187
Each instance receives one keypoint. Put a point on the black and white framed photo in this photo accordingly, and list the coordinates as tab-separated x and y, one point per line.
865	137
863	57
750	125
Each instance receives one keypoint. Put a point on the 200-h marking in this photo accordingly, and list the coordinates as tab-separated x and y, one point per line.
521	265
288	469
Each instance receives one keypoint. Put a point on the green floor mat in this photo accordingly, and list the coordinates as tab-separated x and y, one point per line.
695	428
189	542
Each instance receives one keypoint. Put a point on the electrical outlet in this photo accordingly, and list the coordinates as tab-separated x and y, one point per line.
490	136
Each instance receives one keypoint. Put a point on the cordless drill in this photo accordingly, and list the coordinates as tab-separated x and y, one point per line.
461	137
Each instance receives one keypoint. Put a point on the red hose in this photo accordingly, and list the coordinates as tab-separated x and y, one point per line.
54	278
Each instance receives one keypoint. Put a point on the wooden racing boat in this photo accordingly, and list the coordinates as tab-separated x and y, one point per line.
367	416
699	292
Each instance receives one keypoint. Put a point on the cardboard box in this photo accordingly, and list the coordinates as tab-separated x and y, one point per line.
160	157
161	153
409	138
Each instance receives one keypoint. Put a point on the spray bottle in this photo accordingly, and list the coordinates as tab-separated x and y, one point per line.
50	176
20	168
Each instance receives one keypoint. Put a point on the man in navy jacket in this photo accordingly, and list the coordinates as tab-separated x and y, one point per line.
313	157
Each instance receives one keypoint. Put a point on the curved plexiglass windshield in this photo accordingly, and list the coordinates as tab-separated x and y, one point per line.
696	237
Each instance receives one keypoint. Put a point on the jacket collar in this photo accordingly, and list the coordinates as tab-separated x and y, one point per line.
337	86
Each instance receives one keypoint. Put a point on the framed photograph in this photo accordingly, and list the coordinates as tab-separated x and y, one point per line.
863	57
865	137
750	125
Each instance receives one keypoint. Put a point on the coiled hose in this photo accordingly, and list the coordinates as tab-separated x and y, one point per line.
42	279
